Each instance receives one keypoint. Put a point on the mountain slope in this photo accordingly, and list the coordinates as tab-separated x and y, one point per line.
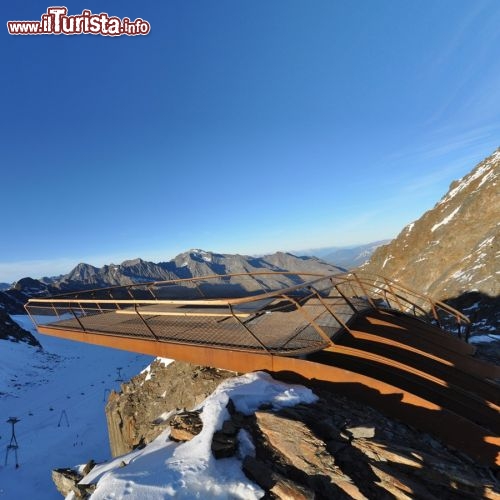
454	248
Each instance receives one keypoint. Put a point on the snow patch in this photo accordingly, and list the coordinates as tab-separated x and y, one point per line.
387	259
201	254
445	220
486	242
487	177
37	386
484	339
147	370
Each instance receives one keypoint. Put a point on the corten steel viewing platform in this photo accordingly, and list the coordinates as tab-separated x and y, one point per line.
363	335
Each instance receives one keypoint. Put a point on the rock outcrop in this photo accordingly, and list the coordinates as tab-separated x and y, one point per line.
146	404
67	481
334	448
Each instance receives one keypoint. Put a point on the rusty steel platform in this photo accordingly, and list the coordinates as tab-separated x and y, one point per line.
366	337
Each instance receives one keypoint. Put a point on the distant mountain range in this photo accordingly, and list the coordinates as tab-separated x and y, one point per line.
352	257
197	263
192	263
453	251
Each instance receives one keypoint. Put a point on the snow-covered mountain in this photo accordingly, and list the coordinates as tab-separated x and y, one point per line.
453	250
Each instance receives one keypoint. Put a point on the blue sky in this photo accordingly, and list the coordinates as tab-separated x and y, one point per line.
238	126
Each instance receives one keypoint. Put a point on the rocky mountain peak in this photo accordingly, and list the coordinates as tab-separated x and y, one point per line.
81	271
30	286
130	263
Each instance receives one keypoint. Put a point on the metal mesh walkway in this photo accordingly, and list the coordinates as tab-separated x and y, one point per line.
288	314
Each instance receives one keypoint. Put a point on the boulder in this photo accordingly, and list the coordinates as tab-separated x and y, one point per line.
65	480
185	426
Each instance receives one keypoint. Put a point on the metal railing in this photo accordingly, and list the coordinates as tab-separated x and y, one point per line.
384	293
268	311
277	312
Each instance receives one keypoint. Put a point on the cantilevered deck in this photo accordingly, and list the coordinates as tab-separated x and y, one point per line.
365	336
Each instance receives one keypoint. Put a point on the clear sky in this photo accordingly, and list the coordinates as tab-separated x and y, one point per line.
238	126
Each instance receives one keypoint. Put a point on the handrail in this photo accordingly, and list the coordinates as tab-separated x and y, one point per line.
378	291
380	286
425	298
148	284
206	301
216	321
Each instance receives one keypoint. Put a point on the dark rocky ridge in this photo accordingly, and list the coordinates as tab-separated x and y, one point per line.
452	252
12	302
10	330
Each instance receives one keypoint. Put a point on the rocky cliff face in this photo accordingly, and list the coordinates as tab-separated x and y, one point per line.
12	302
453	251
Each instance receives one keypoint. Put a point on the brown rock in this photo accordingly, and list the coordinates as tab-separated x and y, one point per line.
65	480
84	490
298	448
88	467
274	482
185	426
361	432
